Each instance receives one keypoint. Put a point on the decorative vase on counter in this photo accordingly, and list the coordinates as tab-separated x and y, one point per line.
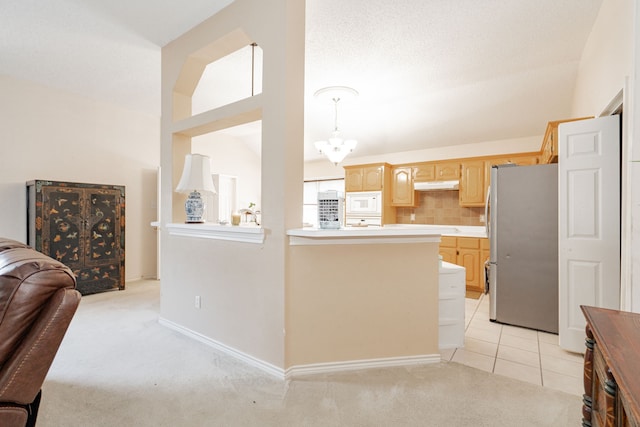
194	207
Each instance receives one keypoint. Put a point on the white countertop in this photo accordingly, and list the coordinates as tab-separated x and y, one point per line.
447	230
469	231
447	267
391	233
393	230
248	233
387	230
366	235
352	235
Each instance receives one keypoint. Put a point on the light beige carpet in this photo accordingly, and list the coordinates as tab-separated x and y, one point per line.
118	367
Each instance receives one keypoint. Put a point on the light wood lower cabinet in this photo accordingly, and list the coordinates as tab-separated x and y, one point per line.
469	258
468	253
448	249
484	257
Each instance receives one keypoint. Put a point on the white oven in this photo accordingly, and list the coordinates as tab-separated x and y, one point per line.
364	204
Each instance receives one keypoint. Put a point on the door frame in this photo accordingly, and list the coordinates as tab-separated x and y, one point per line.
615	106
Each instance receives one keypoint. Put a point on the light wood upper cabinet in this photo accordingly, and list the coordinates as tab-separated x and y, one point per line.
353	179
549	144
437	171
446	171
373	178
532	159
472	189
425	172
364	178
549	147
520	159
402	190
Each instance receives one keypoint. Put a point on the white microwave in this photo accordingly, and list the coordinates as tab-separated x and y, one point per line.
364	203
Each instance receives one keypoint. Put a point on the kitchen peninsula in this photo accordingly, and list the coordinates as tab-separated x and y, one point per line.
362	297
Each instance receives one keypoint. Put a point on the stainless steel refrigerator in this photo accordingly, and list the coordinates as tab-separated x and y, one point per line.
522	220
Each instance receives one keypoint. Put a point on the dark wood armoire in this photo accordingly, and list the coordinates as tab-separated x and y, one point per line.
82	226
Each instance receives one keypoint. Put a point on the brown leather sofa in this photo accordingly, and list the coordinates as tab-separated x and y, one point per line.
37	302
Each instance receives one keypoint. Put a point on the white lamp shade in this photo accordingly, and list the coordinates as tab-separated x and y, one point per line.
196	175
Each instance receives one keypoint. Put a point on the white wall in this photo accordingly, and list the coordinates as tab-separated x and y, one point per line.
242	285
50	134
606	59
229	156
609	64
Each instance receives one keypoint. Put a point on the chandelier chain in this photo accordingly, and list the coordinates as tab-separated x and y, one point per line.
335	119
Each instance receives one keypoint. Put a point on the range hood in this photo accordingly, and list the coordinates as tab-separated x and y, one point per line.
436	185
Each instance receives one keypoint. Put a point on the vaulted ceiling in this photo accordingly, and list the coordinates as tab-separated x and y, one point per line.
429	73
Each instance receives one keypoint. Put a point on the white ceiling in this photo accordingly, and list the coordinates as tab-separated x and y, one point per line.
430	73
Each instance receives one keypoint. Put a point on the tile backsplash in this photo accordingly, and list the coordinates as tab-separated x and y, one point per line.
441	208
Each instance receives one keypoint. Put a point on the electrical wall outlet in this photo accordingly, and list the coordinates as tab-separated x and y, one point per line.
198	301
482	219
413	217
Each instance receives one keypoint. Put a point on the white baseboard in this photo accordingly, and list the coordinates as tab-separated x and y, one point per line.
352	365
248	359
301	370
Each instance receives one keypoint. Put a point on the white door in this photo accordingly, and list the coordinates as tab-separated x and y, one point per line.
589	222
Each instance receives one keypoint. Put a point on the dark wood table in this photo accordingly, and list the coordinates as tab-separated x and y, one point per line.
611	368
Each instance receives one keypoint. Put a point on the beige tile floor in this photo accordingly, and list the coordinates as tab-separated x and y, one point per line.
519	353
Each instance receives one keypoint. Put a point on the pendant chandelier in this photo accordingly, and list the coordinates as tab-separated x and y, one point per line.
336	148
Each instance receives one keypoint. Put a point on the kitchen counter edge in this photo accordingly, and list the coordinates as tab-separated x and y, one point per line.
364	235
